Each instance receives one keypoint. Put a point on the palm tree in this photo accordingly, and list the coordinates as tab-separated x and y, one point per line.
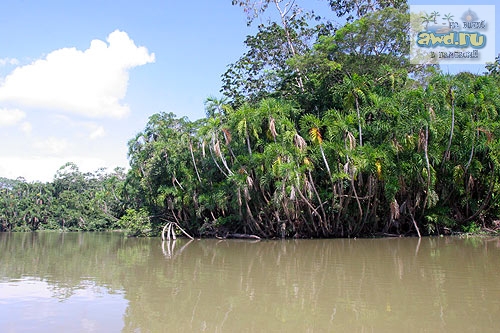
313	125
216	107
246	119
427	19
357	89
448	17
434	16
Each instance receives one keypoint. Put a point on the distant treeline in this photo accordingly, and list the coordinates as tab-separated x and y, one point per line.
322	132
72	201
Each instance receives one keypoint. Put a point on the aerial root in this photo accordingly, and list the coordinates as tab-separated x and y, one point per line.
169	229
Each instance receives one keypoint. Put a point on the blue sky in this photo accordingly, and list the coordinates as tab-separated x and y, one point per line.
78	79
186	47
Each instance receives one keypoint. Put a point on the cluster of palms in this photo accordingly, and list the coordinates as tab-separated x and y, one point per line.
72	201
387	158
339	138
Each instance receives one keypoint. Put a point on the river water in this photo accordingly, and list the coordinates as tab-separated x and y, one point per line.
104	282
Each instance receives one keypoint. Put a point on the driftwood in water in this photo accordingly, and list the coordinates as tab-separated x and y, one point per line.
169	229
242	236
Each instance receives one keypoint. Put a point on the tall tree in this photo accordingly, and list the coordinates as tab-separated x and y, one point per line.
352	9
265	68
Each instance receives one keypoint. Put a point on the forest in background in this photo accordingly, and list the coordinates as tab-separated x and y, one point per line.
321	131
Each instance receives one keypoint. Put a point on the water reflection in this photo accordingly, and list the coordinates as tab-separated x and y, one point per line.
33	305
168	248
433	284
46	284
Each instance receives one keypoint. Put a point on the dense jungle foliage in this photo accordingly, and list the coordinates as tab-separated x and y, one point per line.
72	201
323	131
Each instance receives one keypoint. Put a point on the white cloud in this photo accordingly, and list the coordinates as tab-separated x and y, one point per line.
90	83
9	117
8	61
51	145
80	129
96	132
31	168
26	127
37	168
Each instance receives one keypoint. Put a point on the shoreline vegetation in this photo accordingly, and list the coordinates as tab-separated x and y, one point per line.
322	131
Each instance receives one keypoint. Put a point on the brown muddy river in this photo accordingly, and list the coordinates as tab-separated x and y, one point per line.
103	282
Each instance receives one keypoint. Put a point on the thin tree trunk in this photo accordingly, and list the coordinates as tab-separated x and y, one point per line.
215	161
357	199
447	152
218	151
415	224
359	120
255	223
324	224
471	153
248	144
289	39
326	162
427	163
194	162
311	208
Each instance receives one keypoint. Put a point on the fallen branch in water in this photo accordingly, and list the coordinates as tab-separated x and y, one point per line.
385	234
242	236
169	227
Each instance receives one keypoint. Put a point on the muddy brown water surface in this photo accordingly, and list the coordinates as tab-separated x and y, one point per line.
104	282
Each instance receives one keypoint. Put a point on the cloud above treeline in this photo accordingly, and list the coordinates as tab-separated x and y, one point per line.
91	83
9	117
